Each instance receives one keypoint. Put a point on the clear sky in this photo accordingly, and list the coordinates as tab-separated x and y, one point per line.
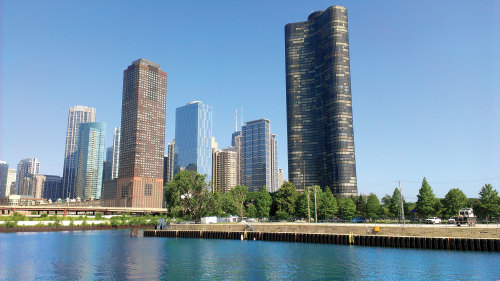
425	78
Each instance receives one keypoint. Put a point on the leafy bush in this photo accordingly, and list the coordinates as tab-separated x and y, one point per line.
44	215
10	222
116	221
153	221
18	217
98	215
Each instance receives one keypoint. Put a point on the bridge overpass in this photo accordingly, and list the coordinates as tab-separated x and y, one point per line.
79	210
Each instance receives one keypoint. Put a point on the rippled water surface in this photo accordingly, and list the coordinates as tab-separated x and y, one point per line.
114	255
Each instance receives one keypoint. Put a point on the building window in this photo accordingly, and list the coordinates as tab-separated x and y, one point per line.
125	191
148	189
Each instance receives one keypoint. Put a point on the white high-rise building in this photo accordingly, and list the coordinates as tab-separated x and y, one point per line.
116	154
25	168
274	164
77	115
11	181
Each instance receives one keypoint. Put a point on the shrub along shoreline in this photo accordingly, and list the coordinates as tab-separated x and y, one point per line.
68	228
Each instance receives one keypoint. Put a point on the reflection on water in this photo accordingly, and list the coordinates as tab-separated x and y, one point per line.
114	255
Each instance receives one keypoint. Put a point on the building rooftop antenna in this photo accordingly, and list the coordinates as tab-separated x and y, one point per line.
236	121
241	119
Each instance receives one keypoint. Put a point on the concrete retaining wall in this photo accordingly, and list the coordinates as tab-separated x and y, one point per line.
479	231
458	244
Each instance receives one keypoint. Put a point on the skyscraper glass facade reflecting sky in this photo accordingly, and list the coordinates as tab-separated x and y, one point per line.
256	162
193	138
90	160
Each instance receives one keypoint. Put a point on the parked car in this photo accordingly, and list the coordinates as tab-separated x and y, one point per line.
433	220
358	220
451	221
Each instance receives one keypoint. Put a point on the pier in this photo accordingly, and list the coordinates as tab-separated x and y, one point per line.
489	240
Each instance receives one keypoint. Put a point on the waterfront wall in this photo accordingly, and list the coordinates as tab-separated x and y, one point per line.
452	231
439	243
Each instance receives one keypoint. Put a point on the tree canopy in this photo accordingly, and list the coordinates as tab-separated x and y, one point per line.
372	206
453	201
426	200
489	201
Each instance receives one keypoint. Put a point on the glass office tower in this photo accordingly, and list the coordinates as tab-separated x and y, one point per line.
256	155
77	115
193	138
90	160
319	107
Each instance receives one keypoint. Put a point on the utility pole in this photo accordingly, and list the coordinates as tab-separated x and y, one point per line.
402	217
304	184
315	206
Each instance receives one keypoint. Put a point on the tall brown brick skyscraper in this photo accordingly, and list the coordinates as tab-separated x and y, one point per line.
140	176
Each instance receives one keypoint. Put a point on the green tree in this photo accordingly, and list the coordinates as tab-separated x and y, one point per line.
251	211
214	205
301	206
328	205
237	196
386	200
360	202
347	208
186	194
489	201
453	201
394	207
285	200
426	201
263	203
372	206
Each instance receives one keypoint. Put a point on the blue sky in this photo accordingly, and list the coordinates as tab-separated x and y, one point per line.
425	78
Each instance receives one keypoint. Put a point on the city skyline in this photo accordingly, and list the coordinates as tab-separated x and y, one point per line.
435	143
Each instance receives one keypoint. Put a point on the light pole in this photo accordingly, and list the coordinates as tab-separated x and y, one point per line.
308	208
315	206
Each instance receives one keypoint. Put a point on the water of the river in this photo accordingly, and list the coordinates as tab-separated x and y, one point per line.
114	255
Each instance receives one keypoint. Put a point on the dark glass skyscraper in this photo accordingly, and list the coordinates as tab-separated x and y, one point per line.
319	107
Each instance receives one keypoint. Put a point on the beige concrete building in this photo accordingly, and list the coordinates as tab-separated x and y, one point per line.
224	169
33	186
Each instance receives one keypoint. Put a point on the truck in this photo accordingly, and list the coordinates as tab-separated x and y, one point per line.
465	217
433	220
208	220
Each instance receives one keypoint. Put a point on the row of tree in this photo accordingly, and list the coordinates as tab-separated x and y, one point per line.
486	206
188	197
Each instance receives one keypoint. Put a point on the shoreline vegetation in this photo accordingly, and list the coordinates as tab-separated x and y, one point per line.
46	228
19	221
188	196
